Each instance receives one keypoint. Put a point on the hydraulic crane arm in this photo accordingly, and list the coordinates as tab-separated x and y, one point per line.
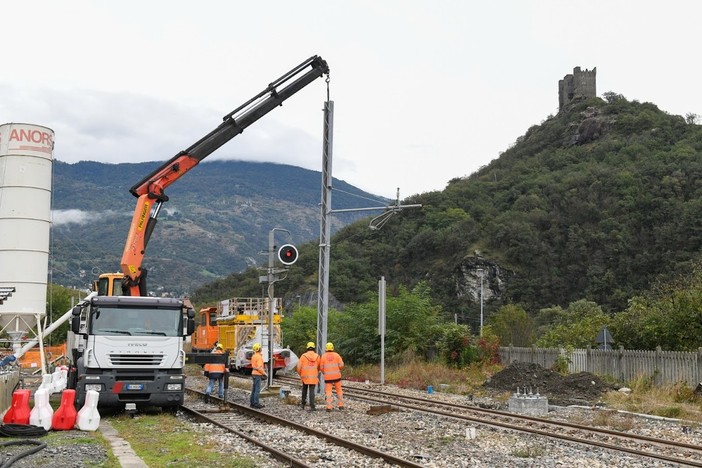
150	190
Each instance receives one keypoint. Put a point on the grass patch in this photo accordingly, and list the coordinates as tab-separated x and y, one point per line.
672	401
613	420
162	440
417	374
530	451
669	411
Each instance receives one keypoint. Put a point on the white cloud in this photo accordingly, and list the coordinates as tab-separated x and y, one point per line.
80	217
424	91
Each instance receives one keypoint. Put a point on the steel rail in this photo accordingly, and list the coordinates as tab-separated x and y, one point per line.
597	430
275	453
251	412
554	424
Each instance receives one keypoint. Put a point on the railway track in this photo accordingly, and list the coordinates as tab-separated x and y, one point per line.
296	447
638	445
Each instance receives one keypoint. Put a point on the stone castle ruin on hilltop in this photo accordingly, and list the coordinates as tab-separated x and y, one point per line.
579	85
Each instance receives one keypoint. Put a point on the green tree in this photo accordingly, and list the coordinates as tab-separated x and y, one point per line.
512	325
60	300
576	326
299	329
455	345
670	316
410	323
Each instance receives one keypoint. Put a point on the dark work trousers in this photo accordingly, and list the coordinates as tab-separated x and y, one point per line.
255	390
308	389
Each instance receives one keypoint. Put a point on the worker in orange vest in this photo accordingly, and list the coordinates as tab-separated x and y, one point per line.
331	366
308	368
258	370
216	374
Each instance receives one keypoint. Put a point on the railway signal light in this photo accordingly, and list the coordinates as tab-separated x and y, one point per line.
287	254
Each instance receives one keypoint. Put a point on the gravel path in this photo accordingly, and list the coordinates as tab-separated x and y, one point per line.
435	441
426	439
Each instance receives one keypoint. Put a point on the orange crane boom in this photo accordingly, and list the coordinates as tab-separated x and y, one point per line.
150	190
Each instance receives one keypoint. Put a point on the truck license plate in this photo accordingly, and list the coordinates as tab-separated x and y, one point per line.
135	386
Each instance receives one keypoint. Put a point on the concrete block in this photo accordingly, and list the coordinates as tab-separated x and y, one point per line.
532	405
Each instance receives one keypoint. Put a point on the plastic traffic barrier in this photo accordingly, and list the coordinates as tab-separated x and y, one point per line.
42	413
88	416
19	410
65	416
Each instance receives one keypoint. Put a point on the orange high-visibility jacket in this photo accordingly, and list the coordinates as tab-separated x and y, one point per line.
257	367
215	368
331	366
308	368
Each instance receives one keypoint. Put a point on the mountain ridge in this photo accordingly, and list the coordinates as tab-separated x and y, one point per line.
216	221
598	202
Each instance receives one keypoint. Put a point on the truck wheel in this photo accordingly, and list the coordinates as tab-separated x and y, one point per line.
80	394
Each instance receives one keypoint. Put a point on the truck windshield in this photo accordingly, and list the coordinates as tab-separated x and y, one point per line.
136	321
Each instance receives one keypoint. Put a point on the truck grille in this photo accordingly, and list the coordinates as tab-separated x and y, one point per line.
136	360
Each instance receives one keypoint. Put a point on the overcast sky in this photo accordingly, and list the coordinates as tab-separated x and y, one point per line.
424	91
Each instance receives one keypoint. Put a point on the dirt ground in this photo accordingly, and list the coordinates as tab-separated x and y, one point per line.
575	389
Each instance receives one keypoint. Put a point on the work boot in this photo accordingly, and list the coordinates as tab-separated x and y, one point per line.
207	398
341	408
329	410
313	408
303	407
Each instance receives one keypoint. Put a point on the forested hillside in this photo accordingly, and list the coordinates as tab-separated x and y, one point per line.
595	203
216	222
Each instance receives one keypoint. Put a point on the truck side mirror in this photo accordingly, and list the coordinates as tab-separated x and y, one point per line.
190	324
191	327
75	320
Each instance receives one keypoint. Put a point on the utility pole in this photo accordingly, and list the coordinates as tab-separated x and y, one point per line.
324	230
481	274
381	326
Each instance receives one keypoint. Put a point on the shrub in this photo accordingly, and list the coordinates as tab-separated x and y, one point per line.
682	393
669	411
488	347
641	383
563	361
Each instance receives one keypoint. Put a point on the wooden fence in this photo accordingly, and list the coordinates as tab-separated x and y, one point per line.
663	367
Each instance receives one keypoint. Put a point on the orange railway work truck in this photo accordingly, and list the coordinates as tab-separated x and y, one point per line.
237	324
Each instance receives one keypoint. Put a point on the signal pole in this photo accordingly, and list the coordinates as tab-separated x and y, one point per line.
287	255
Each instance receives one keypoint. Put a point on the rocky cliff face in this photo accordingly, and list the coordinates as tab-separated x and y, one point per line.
592	126
494	279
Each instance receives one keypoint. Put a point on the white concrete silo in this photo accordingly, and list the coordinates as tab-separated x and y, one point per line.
25	219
